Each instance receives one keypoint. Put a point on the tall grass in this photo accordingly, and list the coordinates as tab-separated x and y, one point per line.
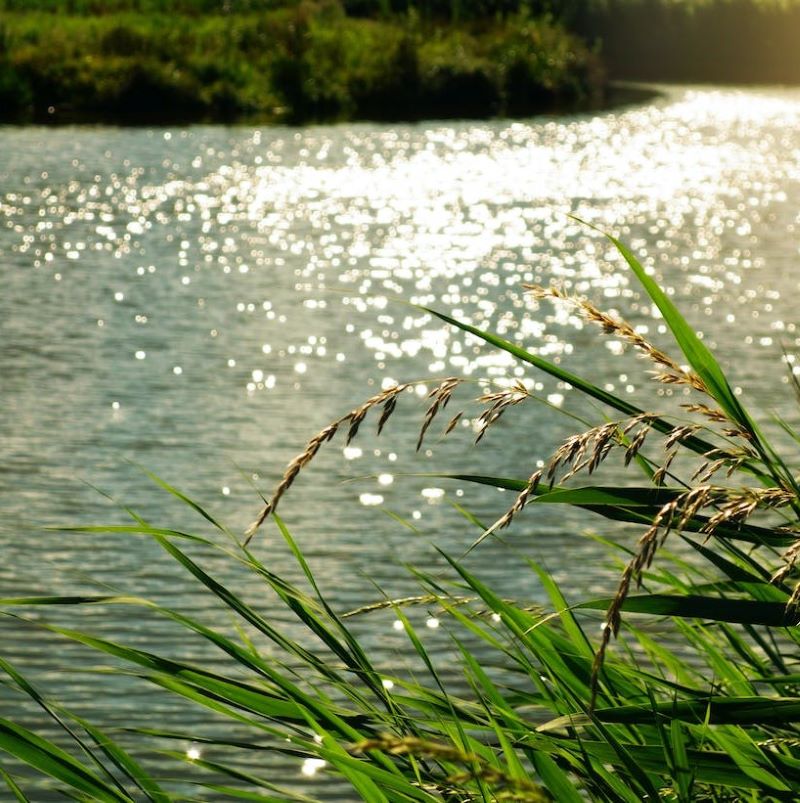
688	692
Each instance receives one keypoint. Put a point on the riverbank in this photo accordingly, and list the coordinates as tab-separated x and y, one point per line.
308	63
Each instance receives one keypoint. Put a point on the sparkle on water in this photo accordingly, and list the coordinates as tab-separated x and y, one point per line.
203	300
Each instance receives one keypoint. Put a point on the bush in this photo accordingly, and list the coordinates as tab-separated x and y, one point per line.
309	62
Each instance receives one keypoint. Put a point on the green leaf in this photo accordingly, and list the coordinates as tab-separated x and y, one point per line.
741	611
715	710
14	787
629	505
51	760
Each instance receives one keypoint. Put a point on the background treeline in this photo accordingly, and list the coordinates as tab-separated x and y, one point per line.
320	60
443	9
306	61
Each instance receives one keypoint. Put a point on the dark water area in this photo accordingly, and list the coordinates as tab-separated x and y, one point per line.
199	301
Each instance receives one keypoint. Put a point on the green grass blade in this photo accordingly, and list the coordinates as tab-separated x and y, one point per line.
741	611
715	710
51	760
637	512
14	787
185	499
125	762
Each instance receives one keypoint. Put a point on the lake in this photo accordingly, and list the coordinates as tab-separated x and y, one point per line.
198	302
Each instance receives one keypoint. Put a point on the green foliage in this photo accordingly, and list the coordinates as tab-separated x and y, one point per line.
300	63
696	699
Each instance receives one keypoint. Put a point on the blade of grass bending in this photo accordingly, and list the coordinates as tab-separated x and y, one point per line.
696	352
740	611
750	759
232	793
186	500
237	693
53	761
733	570
551	775
125	762
236	604
423	654
715	710
369	771
683	771
34	694
568	621
13	786
352	654
334	753
239	775
709	767
634	512
554	651
245	658
673	770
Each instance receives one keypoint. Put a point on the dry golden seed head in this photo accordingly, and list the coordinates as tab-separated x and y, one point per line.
353	419
519	503
622	329
540	292
679	434
441	395
794	600
641	418
781	574
636	443
736	432
708	470
388	408
611	627
452	423
710	413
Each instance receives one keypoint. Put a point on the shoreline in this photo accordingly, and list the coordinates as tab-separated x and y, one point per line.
617	95
310	63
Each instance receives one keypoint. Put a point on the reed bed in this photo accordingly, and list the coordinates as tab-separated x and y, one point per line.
688	692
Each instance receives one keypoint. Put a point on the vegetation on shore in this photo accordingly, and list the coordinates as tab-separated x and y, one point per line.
313	61
688	692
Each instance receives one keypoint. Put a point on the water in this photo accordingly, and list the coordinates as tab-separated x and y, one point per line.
200	301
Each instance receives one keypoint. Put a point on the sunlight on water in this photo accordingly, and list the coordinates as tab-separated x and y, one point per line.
173	276
202	301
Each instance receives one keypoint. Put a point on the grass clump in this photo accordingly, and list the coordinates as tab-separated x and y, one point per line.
688	692
295	63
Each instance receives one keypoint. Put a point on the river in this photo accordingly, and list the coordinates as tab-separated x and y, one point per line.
198	302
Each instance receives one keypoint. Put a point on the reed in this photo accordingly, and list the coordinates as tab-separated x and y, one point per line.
689	692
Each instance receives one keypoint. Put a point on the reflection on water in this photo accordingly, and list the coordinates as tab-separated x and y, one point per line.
201	301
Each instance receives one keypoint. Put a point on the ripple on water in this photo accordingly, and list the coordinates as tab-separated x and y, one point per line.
203	300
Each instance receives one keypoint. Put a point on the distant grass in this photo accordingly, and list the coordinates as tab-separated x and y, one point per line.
688	693
309	62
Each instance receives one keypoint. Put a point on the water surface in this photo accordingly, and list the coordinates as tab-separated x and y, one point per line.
200	301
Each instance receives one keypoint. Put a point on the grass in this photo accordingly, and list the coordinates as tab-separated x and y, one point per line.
687	693
292	63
